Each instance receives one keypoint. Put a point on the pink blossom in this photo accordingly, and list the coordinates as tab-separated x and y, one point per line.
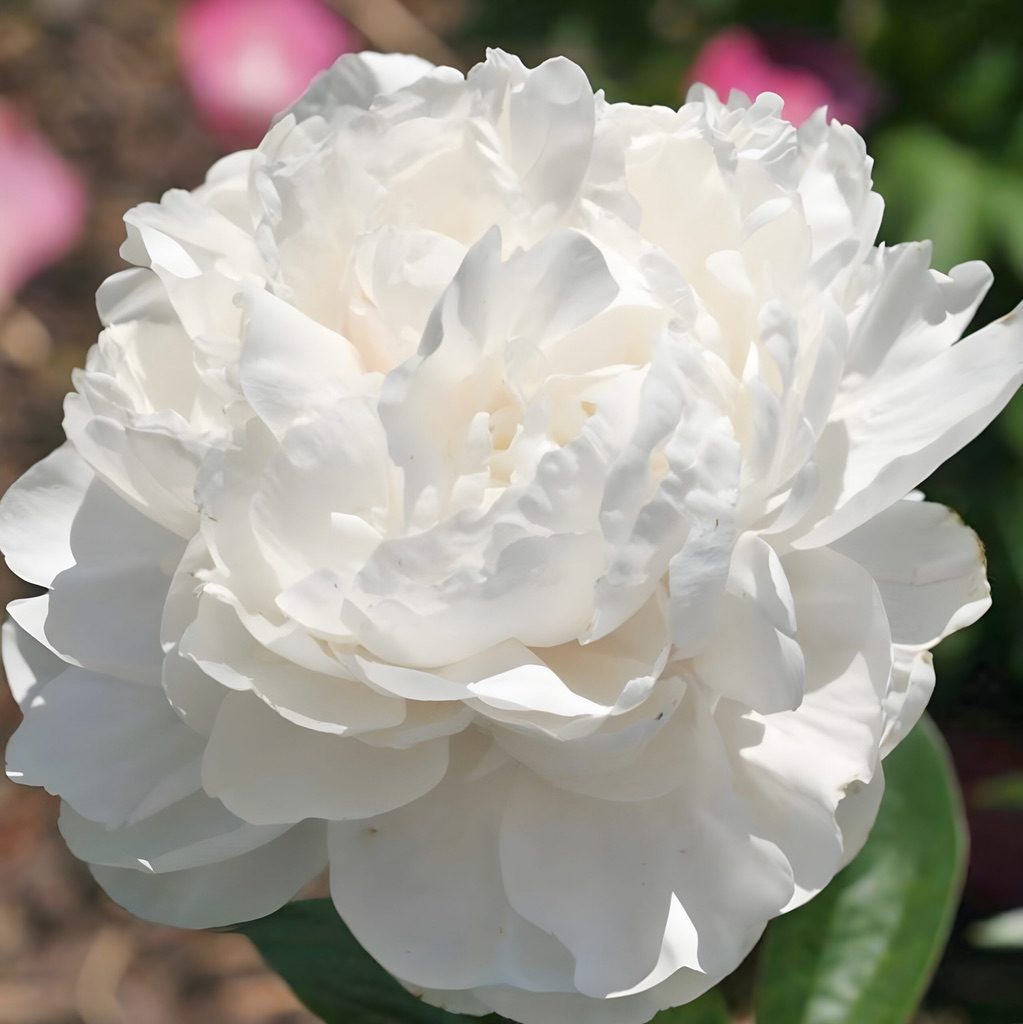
806	71
245	60
42	202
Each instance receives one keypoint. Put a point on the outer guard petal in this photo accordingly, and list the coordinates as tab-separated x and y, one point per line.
890	438
213	895
402	882
36	513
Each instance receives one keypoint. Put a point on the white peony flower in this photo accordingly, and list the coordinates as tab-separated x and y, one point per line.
497	496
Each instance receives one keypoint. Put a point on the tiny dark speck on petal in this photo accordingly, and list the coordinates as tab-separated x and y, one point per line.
660	715
370	830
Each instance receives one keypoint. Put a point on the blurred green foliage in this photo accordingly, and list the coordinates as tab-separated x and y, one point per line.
948	145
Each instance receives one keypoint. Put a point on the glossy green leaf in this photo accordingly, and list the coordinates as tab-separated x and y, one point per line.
309	945
865	948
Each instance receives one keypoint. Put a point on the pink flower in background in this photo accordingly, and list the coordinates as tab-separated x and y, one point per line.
245	60
806	71
42	202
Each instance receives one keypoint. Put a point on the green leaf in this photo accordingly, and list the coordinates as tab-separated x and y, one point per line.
934	188
1003	198
309	945
865	948
710	1008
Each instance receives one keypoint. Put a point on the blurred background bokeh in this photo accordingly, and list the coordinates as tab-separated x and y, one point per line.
108	103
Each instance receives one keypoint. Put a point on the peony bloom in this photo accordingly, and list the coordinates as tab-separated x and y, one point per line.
499	497
244	60
806	71
42	203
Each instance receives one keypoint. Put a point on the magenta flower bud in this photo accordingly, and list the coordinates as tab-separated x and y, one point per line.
806	71
42	202
245	60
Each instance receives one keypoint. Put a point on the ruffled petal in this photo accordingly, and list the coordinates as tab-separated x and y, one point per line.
844	635
547	123
218	643
888	438
909	690
755	657
356	80
290	366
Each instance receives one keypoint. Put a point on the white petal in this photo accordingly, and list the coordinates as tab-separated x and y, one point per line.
755	657
892	436
319	492
268	771
431	623
194	696
909	690
534	689
402	271
929	567
290	366
452	1001
836	729
628	756
681	521
856	815
548	124
103	612
401	882
106	617
916	312
151	465
225	650
574	1008
36	514
544	292
117	744
357	80
213	895
28	664
134	294
189	833
693	844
